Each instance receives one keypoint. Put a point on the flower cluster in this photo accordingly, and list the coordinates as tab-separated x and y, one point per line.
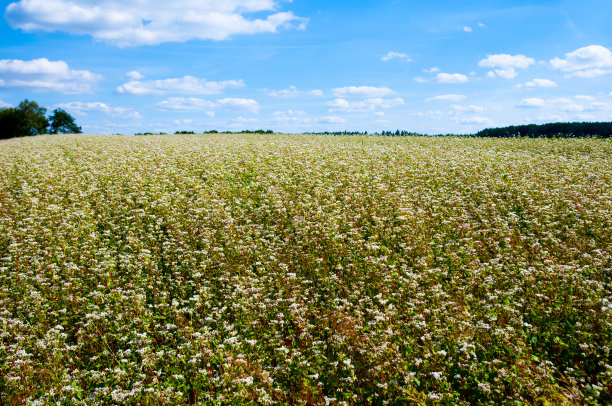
275	269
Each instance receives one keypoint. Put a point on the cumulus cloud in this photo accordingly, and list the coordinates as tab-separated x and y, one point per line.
45	75
451	78
505	65
467	29
587	62
81	108
454	98
541	83
362	91
4	105
134	75
532	102
395	55
363	106
184	85
432	70
134	22
315	92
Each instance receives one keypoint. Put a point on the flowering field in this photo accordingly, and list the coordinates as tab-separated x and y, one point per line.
305	270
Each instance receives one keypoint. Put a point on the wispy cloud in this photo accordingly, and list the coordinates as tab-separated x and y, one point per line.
197	104
454	98
184	85
368	105
361	91
395	55
541	83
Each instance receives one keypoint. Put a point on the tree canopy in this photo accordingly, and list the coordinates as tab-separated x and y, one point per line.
62	122
552	130
28	119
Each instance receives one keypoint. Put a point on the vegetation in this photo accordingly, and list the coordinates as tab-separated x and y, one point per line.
265	269
552	130
29	119
61	122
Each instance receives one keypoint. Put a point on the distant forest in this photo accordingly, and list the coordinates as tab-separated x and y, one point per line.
552	130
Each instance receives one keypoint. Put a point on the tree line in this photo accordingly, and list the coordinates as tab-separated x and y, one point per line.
28	119
551	130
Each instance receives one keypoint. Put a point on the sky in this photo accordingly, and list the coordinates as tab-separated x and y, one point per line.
297	66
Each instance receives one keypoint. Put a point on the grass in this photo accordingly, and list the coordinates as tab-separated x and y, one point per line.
271	269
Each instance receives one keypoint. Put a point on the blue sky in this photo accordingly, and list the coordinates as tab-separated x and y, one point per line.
295	66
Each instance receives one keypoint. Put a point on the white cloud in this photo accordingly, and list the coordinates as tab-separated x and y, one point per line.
195	104
135	22
432	70
419	79
541	83
297	117
368	105
134	75
532	102
241	104
184	85
467	29
45	75
451	78
395	55
454	98
506	65
587	62
362	91
81	108
290	92
185	104
4	105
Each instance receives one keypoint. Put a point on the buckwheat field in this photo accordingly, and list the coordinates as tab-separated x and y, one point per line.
277	269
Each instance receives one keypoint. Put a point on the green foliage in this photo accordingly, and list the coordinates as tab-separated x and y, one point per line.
552	130
28	119
61	122
24	120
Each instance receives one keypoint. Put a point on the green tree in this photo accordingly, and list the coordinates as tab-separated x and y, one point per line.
10	123
26	119
62	122
33	118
